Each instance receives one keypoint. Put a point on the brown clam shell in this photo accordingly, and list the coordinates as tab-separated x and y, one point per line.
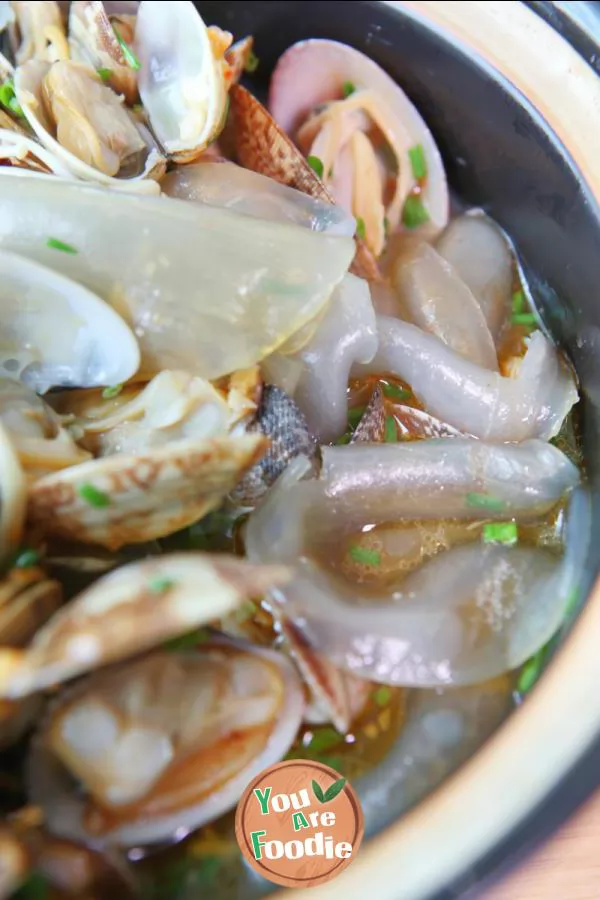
261	145
371	428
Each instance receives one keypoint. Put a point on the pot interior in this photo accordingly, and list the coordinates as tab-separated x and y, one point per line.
500	155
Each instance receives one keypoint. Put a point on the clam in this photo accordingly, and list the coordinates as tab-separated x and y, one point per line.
130	610
174	406
182	79
41	29
28	598
41	442
262	146
124	499
92	40
162	746
336	696
81	122
13	497
92	346
341	108
40	864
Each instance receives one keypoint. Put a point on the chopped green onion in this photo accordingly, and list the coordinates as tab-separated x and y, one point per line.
418	162
128	54
518	302
348	89
523	319
500	533
386	226
484	501
105	74
414	213
531	671
391	430
316	165
8	99
345	439
361	230
325	739
93	496
252	63
188	641
110	393
161	585
382	696
355	415
35	888
27	559
365	556
55	244
331	172
394	392
572	601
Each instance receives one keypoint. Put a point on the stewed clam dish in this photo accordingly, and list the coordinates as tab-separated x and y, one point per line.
289	462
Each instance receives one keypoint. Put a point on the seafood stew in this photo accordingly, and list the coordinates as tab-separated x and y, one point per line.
298	475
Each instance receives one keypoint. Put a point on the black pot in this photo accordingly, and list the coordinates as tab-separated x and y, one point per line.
516	113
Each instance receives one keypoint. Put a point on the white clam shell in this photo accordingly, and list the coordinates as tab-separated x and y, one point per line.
54	331
29	80
262	693
181	82
131	610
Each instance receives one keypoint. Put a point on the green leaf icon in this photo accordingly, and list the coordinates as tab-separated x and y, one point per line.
318	792
336	788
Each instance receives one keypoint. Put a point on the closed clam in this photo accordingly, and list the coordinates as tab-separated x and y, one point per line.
125	499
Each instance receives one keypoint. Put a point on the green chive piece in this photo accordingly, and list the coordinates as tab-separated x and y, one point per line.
391	430
355	415
501	533
316	165
361	230
331	172
94	497
572	602
105	74
345	439
110	393
414	213
161	585
128	54
9	100
55	244
325	739
348	89
35	888
484	501
365	556
523	319
386	226
252	63
27	559
187	641
382	696
394	392
518	302
531	671
418	163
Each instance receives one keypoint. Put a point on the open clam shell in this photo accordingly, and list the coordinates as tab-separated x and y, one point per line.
13	497
93	345
122	500
182	77
82	122
314	72
163	760
262	146
92	40
130	610
42	444
28	598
